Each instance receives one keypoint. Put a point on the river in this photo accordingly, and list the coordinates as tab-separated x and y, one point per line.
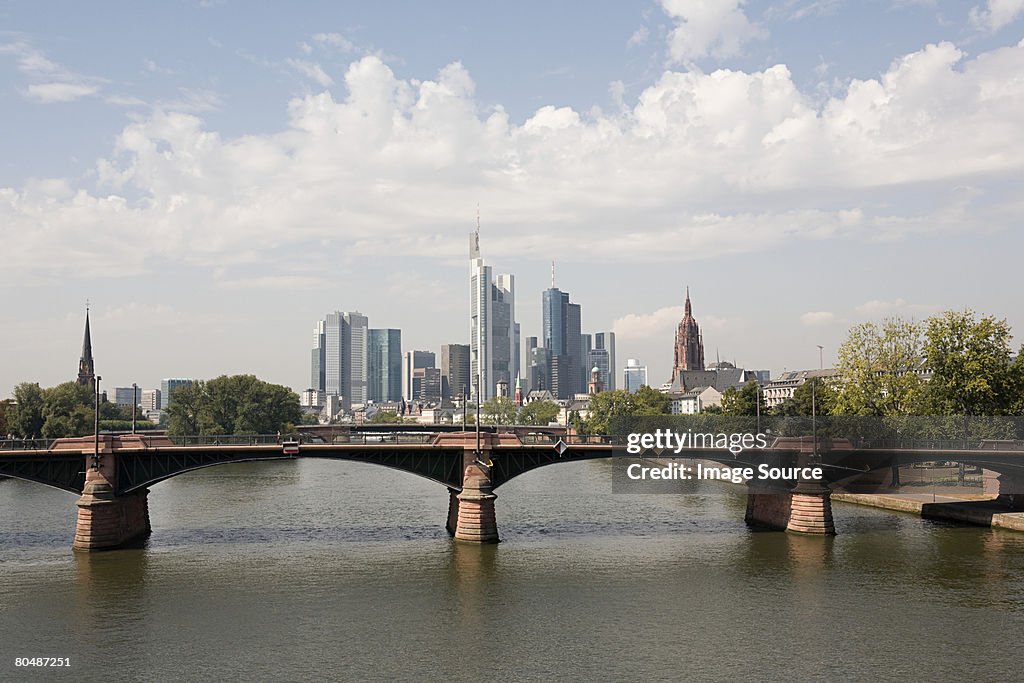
312	569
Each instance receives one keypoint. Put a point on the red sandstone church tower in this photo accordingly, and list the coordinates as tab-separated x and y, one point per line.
689	343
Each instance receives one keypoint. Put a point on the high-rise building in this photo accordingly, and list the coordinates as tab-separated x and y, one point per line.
318	374
602	356
126	396
412	361
150	399
385	365
539	369
493	331
689	346
564	341
455	379
340	357
86	366
426	384
634	376
168	387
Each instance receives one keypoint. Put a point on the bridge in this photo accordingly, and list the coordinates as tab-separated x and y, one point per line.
112	474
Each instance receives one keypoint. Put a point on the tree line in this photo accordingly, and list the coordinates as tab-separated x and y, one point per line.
68	409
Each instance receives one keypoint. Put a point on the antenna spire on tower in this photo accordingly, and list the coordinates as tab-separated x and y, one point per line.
552	274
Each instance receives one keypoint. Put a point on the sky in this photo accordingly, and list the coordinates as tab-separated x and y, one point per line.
215	176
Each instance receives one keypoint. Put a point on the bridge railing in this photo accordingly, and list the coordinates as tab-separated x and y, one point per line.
26	444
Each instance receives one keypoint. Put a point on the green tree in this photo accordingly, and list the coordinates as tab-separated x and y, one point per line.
538	413
742	401
970	362
651	402
605	407
815	395
384	417
68	410
500	410
26	418
233	404
5	407
879	369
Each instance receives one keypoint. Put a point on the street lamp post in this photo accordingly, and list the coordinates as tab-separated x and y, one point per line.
477	381
96	427
135	403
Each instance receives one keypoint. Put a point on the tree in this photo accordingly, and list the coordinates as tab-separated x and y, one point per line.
68	410
384	417
26	419
605	407
500	410
814	395
538	413
880	369
741	401
651	402
970	363
235	404
5	407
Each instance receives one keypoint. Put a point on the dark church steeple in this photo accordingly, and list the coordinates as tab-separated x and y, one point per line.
86	369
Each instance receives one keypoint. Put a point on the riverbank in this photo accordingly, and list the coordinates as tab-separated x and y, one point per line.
974	509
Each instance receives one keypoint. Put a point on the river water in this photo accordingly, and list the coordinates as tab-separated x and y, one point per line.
318	570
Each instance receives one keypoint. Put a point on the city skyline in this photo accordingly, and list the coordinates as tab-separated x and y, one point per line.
798	180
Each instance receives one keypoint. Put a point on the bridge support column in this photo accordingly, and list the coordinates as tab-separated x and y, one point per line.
453	512
807	509
476	521
108	521
811	510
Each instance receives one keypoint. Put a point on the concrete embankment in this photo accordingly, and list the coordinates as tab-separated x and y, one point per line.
979	510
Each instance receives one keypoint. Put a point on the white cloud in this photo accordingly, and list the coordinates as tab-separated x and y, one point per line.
52	82
311	70
716	28
641	326
700	165
996	14
817	318
639	37
335	40
60	92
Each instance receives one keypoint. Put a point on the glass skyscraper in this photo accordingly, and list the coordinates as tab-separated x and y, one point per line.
384	351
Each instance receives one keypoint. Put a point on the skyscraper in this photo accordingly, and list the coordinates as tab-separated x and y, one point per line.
411	362
493	331
385	365
564	342
455	379
318	374
340	357
168	387
602	356
689	346
634	376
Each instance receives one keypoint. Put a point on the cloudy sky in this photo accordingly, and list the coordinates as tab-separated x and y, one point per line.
215	176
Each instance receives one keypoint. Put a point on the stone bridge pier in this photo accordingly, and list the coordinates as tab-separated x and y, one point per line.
107	520
471	510
805	507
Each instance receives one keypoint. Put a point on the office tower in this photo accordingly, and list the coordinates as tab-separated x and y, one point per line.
564	341
634	376
426	384
168	387
494	333
343	358
318	374
602	356
356	342
126	396
385	365
412	361
539	369
151	399
455	379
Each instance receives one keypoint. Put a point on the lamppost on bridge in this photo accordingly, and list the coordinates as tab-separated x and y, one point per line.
96	427
135	403
476	382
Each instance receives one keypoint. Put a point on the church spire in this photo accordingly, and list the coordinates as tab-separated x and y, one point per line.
86	367
687	312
